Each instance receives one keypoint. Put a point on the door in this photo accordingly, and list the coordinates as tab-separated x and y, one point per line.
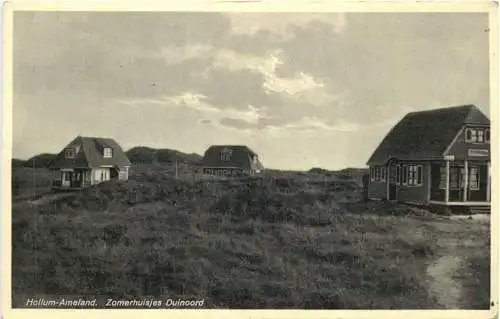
66	179
392	182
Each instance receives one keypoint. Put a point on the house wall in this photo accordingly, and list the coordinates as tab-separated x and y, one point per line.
460	147
377	189
100	175
123	173
417	194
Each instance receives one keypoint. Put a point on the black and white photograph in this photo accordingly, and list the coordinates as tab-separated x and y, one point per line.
243	159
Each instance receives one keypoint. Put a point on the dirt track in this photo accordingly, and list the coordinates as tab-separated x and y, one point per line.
443	280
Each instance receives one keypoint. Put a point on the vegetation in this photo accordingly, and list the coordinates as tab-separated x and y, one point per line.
236	243
147	155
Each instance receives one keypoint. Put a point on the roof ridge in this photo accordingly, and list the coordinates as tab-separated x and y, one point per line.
445	108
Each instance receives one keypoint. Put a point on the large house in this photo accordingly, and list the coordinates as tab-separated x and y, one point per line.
230	160
440	156
88	161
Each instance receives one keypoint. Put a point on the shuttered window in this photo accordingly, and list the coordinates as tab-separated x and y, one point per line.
405	174
442	181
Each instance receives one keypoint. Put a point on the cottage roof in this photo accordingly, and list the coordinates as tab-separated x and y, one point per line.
240	156
89	153
426	134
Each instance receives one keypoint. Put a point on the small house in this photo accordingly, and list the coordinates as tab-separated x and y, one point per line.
88	161
440	156
230	160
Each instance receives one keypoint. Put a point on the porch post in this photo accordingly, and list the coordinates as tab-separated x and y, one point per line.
447	184
429	181
488	185
466	180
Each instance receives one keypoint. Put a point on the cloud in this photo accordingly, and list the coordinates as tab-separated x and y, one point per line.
282	24
301	86
198	103
178	54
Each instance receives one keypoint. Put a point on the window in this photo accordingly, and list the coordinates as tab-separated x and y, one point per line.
476	135
378	173
67	176
226	153
480	136
383	173
70	153
474	178
398	174
404	174
108	152
413	175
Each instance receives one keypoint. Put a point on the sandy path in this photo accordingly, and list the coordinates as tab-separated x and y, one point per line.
442	285
455	247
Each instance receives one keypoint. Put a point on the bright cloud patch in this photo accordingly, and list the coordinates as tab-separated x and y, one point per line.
302	87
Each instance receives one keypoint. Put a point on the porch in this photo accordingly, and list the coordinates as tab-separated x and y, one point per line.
72	179
460	183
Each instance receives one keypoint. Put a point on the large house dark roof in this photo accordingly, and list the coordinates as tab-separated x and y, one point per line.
241	157
90	153
426	134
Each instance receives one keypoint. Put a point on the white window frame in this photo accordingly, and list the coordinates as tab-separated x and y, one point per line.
474	135
225	154
383	173
413	180
107	152
70	152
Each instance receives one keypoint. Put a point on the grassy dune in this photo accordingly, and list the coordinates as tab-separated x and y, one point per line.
236	245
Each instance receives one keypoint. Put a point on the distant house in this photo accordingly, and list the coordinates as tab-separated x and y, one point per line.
88	161
441	156
230	160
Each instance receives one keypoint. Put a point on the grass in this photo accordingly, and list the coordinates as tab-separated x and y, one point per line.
28	182
235	244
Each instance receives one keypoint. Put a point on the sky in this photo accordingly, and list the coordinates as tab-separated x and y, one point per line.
301	89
